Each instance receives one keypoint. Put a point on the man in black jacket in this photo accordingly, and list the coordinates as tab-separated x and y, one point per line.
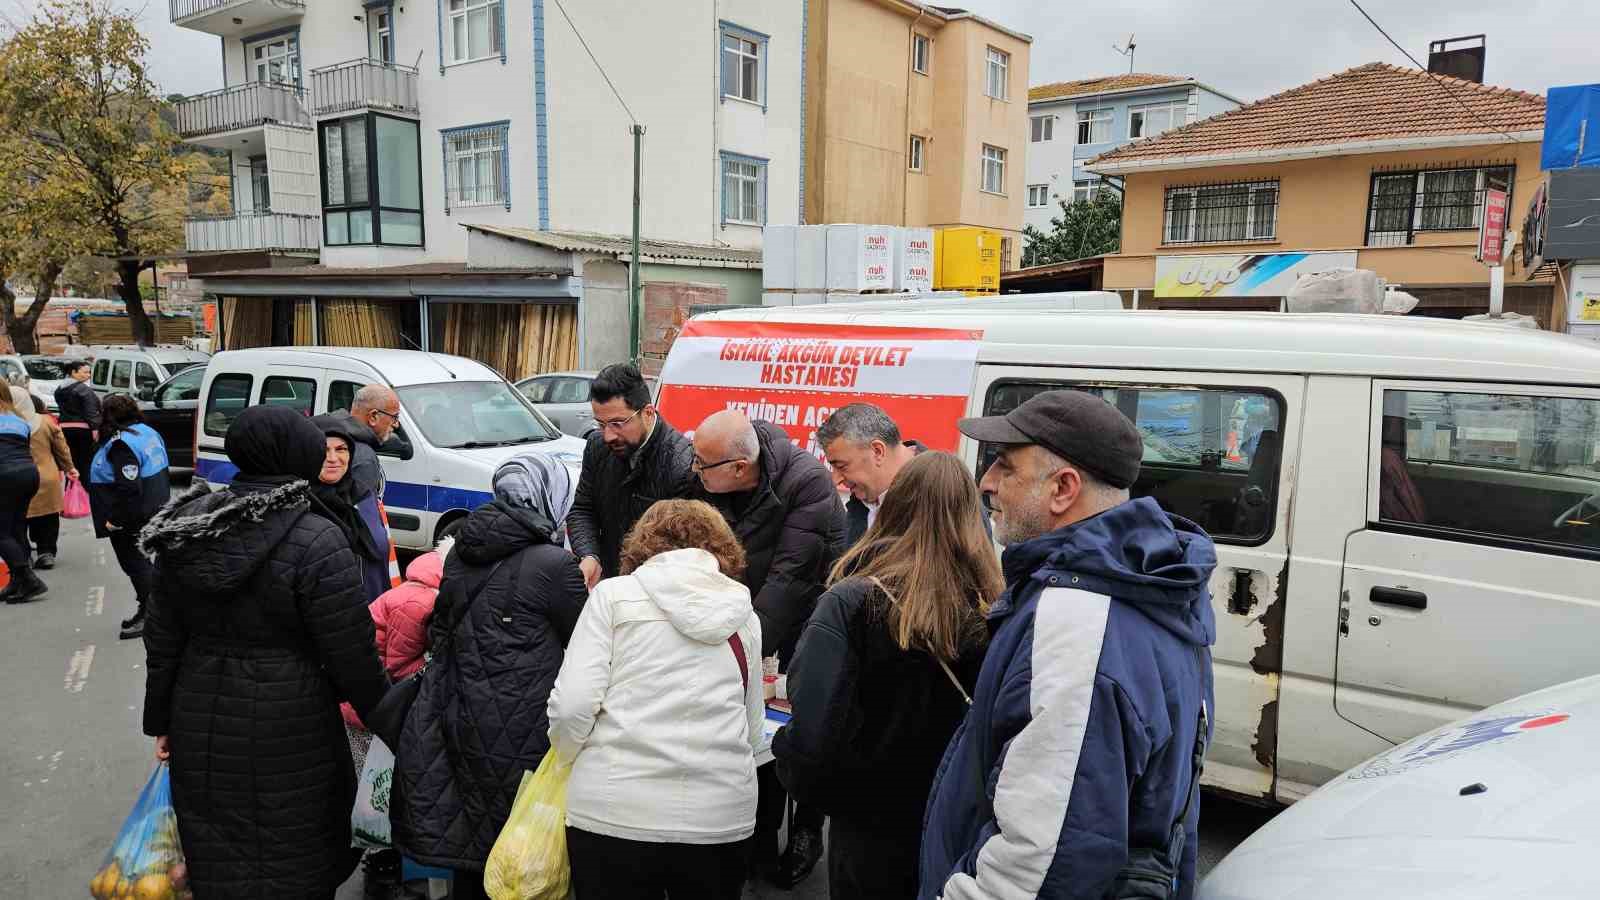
781	502
78	408
634	458
865	451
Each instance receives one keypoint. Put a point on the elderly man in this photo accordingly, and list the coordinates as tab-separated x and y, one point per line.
1077	771
782	504
374	413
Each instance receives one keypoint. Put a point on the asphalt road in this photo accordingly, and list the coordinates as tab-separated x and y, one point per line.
73	758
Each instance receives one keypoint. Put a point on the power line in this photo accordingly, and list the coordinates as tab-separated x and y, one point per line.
1438	80
596	62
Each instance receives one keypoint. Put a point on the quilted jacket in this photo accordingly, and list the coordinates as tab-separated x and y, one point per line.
505	612
614	492
401	617
256	629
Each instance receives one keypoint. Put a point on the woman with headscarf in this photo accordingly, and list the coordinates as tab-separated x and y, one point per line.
54	461
19	480
256	630
336	488
510	599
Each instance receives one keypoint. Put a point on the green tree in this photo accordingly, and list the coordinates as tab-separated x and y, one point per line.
42	227
81	110
1085	228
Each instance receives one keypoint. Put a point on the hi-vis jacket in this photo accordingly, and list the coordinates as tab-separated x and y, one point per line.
128	479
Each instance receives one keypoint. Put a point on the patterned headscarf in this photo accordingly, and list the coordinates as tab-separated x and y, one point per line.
537	481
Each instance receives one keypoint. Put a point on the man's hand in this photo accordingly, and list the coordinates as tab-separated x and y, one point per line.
591	571
163	749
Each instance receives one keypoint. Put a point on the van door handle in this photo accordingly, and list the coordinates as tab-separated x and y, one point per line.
1399	597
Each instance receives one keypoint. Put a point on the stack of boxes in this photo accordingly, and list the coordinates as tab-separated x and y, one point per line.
810	264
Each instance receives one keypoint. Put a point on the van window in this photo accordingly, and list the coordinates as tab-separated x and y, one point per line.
144	376
464	414
296	393
230	395
341	394
1496	467
119	373
1210	454
102	368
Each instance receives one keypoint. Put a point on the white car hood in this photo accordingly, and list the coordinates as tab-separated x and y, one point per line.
1400	826
568	449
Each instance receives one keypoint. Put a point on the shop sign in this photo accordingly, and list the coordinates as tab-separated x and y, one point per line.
1243	274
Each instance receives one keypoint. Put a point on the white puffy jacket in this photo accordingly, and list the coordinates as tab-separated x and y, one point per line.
650	704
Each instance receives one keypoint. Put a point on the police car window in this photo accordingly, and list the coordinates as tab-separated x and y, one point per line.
1210	454
298	394
230	395
144	376
119	373
101	369
1502	467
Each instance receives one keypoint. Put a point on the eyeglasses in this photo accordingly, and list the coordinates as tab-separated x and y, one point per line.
616	424
698	466
385	412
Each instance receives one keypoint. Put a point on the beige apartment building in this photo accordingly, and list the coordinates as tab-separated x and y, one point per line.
934	134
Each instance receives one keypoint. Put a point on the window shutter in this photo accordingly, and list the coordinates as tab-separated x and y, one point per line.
438	16
505	162
727	195
500	29
761	181
449	167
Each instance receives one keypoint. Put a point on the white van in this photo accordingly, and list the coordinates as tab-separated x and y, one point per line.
1406	511
458	421
128	369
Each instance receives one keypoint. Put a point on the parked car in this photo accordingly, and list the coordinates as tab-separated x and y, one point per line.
170	409
458	421
564	398
1497	804
12	365
130	369
46	373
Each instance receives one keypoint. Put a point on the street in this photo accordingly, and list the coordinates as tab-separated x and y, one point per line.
74	757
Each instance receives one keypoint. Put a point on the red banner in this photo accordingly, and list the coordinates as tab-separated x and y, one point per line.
1492	234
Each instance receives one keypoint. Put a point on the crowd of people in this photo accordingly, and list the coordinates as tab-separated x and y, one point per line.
961	724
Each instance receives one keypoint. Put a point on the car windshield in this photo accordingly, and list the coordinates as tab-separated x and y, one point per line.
460	415
174	366
45	369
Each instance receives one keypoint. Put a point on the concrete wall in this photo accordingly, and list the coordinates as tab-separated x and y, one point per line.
605	314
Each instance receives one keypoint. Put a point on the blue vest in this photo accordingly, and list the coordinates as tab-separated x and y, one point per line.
146	445
154	489
14	437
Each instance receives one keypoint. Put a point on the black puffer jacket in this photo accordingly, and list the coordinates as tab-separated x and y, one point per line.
506	609
256	630
792	530
613	492
76	401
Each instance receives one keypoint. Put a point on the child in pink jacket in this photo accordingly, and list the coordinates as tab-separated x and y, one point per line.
401	616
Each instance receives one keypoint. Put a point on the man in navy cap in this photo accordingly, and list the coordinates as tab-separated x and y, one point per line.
1077	771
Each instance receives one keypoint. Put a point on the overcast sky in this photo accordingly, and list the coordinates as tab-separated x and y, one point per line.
1247	48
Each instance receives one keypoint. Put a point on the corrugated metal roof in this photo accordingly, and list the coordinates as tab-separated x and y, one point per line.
621	245
420	270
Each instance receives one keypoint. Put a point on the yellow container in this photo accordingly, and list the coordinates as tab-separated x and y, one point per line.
966	259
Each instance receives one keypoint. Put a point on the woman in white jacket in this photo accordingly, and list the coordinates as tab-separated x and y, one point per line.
659	709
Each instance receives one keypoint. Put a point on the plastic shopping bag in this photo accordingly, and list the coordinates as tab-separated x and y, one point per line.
146	862
529	860
75	500
369	821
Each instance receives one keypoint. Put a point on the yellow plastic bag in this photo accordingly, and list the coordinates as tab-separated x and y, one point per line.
529	859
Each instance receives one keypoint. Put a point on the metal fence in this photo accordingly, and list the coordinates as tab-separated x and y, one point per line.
364	84
1228	213
1402	203
242	106
252	231
183	9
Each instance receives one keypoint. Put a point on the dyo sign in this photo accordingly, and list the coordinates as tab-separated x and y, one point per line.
1208	276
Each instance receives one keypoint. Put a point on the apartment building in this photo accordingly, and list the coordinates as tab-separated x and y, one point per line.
1378	167
915	115
456	167
1072	122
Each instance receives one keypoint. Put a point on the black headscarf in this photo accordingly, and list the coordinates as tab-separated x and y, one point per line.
275	444
339	499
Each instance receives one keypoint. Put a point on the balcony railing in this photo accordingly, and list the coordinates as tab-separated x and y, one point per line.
252	231
363	84
183	9
242	106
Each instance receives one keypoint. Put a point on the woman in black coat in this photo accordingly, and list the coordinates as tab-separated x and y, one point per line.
256	630
509	601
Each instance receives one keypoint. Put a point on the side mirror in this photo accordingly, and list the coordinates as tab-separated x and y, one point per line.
147	394
397	446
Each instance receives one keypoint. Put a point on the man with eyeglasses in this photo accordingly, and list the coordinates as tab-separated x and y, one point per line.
634	457
374	413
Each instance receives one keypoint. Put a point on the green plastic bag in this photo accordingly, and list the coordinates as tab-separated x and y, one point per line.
529	859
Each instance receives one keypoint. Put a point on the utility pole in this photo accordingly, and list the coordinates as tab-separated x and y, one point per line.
634	308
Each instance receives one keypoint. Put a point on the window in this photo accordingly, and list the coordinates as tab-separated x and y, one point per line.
998	83
1492	467
101	369
476	166
183	386
9	369
40	368
1005	254
1404	203
299	394
1043	127
385	37
537	390
742	52
744	190
1222	213
461	414
921	53
1210	454
1154	118
1085	191
120	371
276	61
994	169
915	153
230	394
144	376
1038	196
341	394
372	188
477	30
260	185
1094	126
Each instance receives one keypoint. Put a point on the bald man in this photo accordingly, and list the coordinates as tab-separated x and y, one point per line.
781	502
374	413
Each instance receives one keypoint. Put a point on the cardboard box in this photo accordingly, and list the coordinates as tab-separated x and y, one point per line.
913	259
860	258
777	257
811	258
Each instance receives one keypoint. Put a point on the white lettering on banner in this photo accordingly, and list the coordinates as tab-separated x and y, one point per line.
1208	277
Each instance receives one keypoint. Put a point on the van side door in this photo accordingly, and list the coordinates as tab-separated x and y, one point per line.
1219	449
406	472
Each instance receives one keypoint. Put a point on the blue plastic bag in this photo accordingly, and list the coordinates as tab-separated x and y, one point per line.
146	862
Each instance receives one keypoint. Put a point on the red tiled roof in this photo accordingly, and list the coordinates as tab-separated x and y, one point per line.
1373	102
1103	85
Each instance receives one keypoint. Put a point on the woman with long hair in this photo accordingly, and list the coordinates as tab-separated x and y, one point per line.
19	480
658	708
883	672
127	486
54	460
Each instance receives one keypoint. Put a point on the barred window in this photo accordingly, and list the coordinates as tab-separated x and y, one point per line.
1222	213
744	190
1404	203
476	166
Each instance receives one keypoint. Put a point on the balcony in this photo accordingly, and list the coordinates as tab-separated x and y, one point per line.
273	231
362	84
233	18
239	107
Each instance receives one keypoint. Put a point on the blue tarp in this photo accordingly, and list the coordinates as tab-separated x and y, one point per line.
1571	127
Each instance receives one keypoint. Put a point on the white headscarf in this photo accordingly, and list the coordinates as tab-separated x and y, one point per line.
538	481
23	401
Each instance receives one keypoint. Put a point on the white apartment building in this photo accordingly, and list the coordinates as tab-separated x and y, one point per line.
458	168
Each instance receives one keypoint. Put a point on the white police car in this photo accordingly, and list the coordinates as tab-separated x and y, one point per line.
1501	804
